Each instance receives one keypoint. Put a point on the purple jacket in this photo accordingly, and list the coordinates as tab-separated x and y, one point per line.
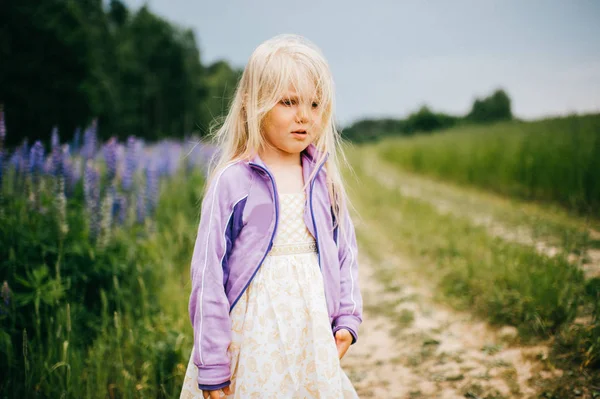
238	221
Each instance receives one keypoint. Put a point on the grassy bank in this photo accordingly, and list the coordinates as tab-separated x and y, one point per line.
555	160
503	282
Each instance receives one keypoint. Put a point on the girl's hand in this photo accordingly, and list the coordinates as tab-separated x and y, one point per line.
216	394
343	339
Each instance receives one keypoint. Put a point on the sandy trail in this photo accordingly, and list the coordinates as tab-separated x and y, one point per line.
431	351
412	346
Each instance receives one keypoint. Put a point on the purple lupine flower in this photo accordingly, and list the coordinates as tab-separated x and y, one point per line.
36	163
131	162
76	140
15	159
89	140
110	156
57	154
152	188
2	127
36	158
120	208
140	205
55	139
1	168
75	175
106	220
23	166
61	206
91	190
48	165
68	171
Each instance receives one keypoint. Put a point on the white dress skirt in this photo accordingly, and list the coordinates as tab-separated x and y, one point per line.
282	345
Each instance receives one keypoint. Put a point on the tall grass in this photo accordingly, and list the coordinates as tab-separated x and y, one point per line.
504	282
89	322
555	160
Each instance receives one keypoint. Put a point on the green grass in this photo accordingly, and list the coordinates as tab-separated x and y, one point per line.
554	160
90	322
503	282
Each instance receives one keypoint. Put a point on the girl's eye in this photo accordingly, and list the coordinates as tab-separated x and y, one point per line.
315	105
288	102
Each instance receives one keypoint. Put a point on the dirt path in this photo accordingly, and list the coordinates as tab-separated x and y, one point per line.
428	350
413	346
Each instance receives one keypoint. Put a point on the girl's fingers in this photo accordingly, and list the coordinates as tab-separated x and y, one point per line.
216	394
343	340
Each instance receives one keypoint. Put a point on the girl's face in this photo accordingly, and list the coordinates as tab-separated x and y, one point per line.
292	124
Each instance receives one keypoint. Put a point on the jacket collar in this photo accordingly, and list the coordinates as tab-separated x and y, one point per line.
309	157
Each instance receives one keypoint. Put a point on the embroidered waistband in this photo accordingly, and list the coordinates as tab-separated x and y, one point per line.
299	248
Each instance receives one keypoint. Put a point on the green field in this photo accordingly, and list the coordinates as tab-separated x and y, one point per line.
553	160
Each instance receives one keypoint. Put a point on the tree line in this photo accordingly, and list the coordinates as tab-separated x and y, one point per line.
67	62
495	107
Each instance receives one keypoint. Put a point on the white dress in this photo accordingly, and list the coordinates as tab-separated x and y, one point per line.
282	345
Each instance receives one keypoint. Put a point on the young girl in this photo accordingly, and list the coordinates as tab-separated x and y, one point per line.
275	301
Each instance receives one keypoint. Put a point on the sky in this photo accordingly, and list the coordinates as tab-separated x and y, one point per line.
388	58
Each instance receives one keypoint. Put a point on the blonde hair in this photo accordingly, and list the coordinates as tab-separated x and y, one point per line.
274	65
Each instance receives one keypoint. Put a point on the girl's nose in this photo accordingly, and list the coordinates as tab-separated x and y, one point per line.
302	114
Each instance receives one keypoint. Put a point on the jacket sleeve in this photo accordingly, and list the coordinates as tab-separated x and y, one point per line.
350	315
208	304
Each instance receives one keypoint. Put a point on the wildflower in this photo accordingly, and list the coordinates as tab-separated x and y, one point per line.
89	141
57	154
110	156
152	188
76	140
36	158
131	162
2	127
91	190
140	205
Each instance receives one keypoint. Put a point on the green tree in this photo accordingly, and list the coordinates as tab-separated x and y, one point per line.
493	108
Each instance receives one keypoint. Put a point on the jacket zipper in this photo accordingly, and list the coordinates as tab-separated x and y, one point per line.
312	214
272	235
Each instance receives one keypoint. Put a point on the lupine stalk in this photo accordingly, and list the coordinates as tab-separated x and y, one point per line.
110	156
76	140
131	162
23	166
36	164
75	175
1	168
105	220
57	154
68	171
92	195
2	127
89	141
140	205
120	209
152	188
61	207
